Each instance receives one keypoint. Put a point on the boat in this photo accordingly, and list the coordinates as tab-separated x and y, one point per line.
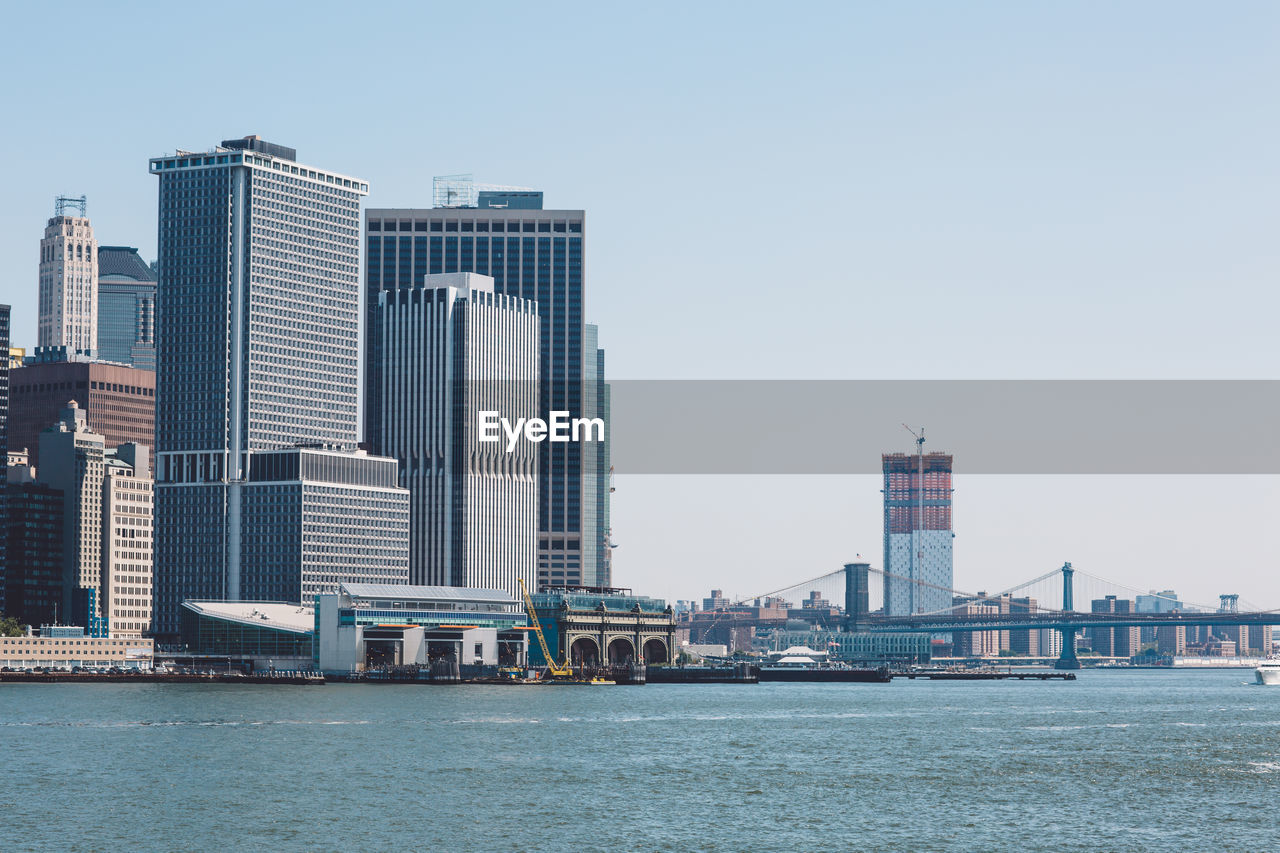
825	672
1268	672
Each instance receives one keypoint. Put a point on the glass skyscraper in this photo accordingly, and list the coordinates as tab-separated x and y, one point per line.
258	314
534	254
126	308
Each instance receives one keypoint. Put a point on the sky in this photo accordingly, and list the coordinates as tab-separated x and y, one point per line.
827	190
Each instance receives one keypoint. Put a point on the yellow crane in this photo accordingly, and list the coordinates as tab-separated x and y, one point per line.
557	670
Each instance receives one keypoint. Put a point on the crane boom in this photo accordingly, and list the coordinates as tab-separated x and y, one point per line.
552	667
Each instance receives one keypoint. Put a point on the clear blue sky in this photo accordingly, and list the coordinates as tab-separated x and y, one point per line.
834	190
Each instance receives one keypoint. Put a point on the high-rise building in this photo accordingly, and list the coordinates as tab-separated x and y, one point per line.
72	459
68	311
917	533
531	253
1120	642
257	352
4	449
595	461
976	643
127	487
119	403
451	348
33	541
126	308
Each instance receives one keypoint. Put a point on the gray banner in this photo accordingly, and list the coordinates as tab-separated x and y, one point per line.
992	426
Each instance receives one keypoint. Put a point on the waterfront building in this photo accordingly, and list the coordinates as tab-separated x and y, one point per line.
72	461
1260	638
253	636
370	626
1023	641
119	403
1171	639
68	307
451	348
1114	642
127	489
606	625
976	643
917	533
33	543
65	647
126	308
257	310
863	648
537	255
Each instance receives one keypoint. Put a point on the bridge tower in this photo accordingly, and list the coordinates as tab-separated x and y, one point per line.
1067	659
857	597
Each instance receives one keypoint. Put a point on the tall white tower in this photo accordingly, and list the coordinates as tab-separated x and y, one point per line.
69	280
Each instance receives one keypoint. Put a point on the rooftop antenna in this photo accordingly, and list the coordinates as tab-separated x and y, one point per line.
64	202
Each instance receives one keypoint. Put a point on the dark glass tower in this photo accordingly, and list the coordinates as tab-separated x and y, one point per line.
534	254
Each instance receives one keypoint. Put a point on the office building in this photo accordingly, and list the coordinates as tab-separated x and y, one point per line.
451	348
127	488
118	402
596	463
17	355
68	308
917	533
315	517
531	253
257	351
33	543
126	308
73	459
4	449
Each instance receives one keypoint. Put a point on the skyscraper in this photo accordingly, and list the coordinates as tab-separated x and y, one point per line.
917	533
534	254
126	308
453	348
68	311
596	465
72	459
258	314
4	450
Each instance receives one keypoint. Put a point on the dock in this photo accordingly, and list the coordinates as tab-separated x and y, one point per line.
156	677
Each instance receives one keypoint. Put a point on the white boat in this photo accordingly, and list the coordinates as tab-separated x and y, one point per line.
1268	672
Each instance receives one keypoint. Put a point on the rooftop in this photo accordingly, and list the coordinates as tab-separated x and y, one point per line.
410	592
123	261
277	615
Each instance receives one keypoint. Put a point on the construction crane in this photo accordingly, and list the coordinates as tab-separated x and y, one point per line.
556	670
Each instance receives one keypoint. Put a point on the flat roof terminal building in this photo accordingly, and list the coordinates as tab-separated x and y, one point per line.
381	626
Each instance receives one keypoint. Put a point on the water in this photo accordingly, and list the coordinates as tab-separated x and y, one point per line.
1120	760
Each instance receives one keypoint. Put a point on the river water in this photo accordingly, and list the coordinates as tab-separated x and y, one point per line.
1118	760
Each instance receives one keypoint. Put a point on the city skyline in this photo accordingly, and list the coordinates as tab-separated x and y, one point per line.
1067	221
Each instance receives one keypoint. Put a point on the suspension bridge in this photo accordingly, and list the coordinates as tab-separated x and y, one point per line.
1046	602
